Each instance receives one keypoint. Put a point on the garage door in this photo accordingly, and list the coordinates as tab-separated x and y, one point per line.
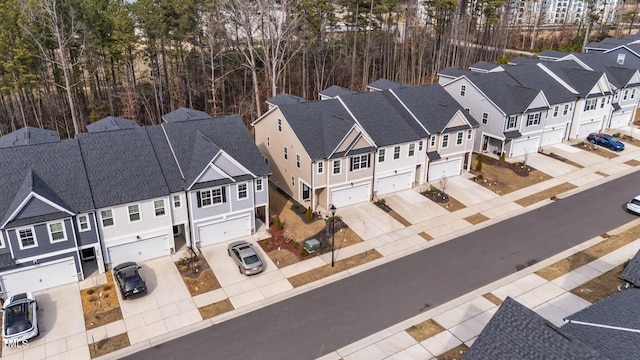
39	277
224	230
552	137
620	120
444	168
139	250
529	146
394	183
349	196
585	129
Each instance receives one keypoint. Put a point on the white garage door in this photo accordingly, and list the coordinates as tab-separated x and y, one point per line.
42	276
349	196
394	183
444	168
522	147
620	120
585	129
140	250
552	137
224	230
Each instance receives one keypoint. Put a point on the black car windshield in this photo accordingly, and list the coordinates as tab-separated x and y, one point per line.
251	259
18	318
635	201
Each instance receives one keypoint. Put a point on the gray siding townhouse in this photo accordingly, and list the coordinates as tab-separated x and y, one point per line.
625	51
122	193
510	115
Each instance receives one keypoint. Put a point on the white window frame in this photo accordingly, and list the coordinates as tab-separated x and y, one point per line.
463	90
156	208
433	140
412	150
565	111
459	138
396	153
280	125
590	104
445	141
512	122
213	196
359	162
177	201
320	167
64	232
285	151
420	145
298	160
339	167
556	110
485	118
625	96
33	236
2	243
620	59
80	222
239	191
102	217
133	213
533	119
259	185
302	191
382	154
469	133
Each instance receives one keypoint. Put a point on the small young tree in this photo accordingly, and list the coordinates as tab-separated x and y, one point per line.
443	184
502	158
479	164
278	224
309	214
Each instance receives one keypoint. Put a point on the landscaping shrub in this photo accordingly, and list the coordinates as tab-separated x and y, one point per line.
502	158
106	287
309	214
278	224
617	135
90	291
479	164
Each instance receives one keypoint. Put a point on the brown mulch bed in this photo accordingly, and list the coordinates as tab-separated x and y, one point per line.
386	208
215	309
197	275
629	139
561	158
444	200
601	287
506	178
595	149
340	265
456	353
100	304
108	345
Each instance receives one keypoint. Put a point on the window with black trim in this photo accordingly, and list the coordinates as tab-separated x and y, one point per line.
485	118
211	196
298	161
396	153
445	140
463	90
533	119
286	153
590	104
306	192
320	167
360	162
280	125
512	122
336	167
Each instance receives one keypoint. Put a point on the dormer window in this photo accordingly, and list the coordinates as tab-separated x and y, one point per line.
620	59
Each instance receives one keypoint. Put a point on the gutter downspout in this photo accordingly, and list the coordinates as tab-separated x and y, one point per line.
313	187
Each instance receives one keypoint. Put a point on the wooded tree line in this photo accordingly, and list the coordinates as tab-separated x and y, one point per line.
67	63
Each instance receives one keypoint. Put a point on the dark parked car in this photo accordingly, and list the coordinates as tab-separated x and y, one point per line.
129	279
248	260
19	319
606	140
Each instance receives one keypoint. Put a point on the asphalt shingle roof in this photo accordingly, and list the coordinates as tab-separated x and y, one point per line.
122	167
631	272
515	332
383	118
384	84
432	106
168	165
28	136
335	90
573	74
184	114
48	169
283	98
504	91
532	76
319	125
618	310
111	123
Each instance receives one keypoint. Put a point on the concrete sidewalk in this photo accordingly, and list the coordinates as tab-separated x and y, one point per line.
463	318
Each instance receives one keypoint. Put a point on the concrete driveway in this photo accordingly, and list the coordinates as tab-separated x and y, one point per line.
167	305
548	165
61	323
368	221
243	290
413	206
466	191
576	155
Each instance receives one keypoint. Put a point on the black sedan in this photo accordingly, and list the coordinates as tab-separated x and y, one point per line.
129	279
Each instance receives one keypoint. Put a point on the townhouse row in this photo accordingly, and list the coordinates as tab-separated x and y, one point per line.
124	193
348	147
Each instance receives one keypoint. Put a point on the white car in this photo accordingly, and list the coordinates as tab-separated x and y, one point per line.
19	319
633	206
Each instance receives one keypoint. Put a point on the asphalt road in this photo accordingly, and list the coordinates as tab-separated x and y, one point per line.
320	321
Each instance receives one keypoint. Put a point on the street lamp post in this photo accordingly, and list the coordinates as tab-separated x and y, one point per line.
333	232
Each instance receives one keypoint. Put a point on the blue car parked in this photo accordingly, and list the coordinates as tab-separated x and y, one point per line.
606	140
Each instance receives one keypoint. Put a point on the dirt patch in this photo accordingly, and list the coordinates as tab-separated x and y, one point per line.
399	218
628	139
215	309
476	219
546	194
584	257
596	149
494	299
632	162
197	275
601	287
291	217
456	353
108	345
506	178
426	236
561	158
340	265
601	174
425	330
100	304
